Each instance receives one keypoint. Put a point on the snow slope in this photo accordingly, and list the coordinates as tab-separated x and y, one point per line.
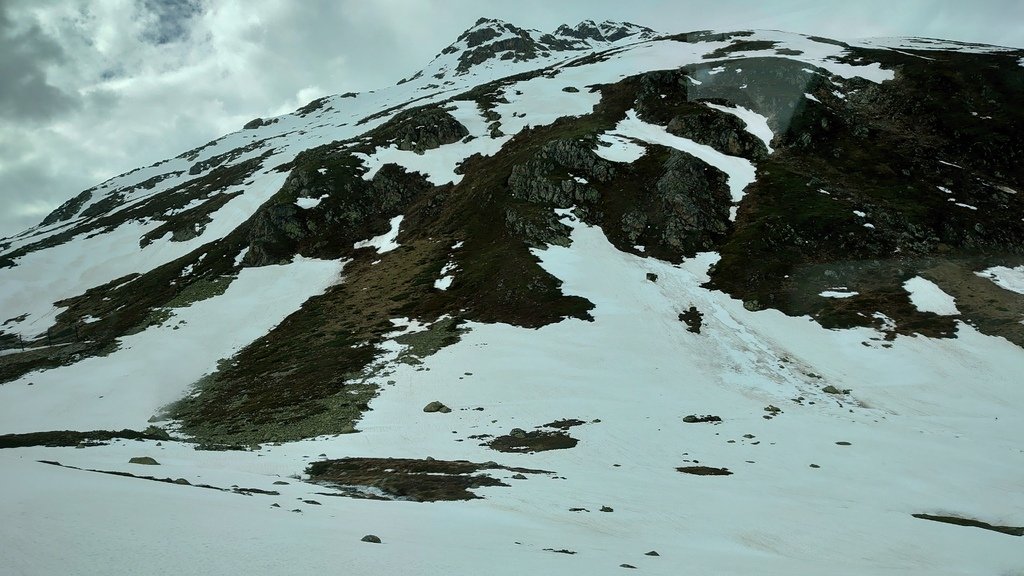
918	442
157	366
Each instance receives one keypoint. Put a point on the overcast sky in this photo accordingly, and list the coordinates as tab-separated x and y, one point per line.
93	88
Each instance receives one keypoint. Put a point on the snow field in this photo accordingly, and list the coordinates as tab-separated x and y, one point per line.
921	440
156	366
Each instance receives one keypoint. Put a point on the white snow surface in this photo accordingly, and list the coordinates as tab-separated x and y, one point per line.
739	171
918	443
619	149
926	296
439	164
927	44
1009	278
155	367
755	123
307	203
446	279
387	241
32	287
838	294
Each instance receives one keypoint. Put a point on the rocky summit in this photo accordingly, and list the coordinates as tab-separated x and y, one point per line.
469	311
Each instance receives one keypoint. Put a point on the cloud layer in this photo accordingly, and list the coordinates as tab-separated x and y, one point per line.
93	88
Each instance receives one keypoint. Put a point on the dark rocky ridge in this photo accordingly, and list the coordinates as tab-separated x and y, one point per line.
519	44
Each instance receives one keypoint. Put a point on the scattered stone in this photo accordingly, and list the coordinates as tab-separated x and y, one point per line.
570	89
371	539
312	502
436	406
518	477
280	483
815	466
772	409
843	443
183	482
704	471
627	566
607	509
652	553
517	433
830	389
694	419
563	424
275	505
562	551
652	276
578	510
748	436
144	460
693	319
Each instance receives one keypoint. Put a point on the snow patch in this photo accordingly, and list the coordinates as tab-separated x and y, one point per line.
619	148
156	366
386	242
756	124
446	279
928	297
241	256
739	171
838	294
307	203
1011	279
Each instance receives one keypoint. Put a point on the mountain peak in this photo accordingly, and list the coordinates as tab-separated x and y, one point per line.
607	31
490	38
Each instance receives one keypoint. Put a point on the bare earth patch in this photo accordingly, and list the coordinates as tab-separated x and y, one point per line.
704	471
425	480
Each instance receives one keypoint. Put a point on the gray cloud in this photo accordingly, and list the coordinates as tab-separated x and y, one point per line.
25	53
172	19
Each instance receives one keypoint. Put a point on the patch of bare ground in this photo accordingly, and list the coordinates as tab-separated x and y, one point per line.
959	521
426	480
982	303
704	471
521	441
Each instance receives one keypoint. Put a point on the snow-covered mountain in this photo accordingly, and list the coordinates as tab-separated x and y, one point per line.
571	302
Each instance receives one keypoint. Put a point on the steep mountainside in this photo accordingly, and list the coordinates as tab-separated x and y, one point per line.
723	295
